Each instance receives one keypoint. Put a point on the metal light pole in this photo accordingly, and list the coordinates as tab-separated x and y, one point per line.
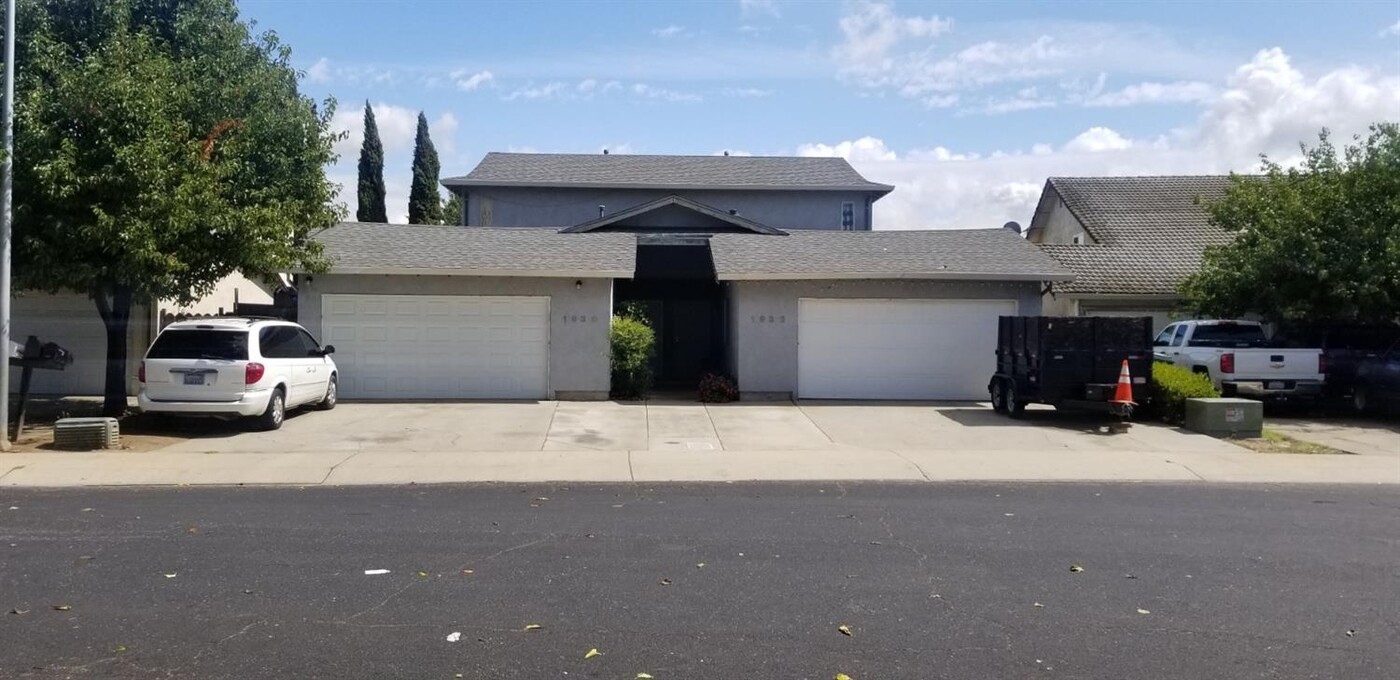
6	201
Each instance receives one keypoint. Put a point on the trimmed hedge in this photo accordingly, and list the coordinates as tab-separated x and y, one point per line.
632	344
1172	386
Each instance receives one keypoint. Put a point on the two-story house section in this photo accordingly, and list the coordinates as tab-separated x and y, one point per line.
767	269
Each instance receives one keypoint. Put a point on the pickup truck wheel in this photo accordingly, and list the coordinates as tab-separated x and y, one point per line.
999	395
276	412
1014	407
1361	399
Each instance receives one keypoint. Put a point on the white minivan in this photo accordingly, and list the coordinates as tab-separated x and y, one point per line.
236	366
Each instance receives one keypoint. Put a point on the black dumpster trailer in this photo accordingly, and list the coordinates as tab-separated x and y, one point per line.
1070	362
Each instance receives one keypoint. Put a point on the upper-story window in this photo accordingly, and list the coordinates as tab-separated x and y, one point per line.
1077	239
848	216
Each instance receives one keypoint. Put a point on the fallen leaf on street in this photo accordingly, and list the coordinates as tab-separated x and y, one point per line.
19	611
842	676
87	509
542	498
845	630
422	574
193	530
120	648
454	636
469	571
1128	576
700	566
1143	611
62	607
1038	605
533	626
665	581
171	575
376	572
592	653
1351	633
644	676
1076	568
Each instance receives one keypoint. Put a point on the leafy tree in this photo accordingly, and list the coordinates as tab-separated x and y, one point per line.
424	201
1317	242
452	210
159	147
371	186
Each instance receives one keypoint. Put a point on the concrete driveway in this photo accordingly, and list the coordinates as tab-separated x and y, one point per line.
678	426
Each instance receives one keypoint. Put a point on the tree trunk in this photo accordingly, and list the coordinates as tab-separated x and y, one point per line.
114	306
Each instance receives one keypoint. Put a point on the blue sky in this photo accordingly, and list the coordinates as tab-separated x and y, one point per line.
966	107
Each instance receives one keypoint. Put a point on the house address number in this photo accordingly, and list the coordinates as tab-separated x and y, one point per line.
768	318
580	318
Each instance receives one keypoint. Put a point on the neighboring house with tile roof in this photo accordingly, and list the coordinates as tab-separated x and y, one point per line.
1130	241
762	268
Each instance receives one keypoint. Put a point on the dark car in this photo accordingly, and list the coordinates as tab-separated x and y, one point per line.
1377	380
1345	347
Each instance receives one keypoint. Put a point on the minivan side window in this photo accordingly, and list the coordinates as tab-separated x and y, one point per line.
281	342
308	343
1165	337
1180	336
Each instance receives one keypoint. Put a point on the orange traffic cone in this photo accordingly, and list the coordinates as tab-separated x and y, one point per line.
1123	394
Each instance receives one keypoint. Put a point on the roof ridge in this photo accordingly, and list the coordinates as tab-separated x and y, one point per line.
657	155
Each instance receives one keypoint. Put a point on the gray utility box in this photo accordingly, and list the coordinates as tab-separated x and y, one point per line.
1226	417
86	434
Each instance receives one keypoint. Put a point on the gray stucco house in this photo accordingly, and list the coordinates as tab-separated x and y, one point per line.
1129	241
766	269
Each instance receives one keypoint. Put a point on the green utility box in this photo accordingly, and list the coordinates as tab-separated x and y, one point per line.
1226	417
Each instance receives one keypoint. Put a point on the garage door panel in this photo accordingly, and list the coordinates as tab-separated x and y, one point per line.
447	347
897	349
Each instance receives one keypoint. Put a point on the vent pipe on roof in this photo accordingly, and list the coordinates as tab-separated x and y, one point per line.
605	152
733	211
602	210
1013	227
726	153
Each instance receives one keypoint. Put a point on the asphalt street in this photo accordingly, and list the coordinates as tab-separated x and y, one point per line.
702	581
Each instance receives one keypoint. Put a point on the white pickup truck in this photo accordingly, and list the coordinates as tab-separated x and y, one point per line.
1237	357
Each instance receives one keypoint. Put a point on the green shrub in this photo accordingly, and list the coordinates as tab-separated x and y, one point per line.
718	389
632	344
1172	386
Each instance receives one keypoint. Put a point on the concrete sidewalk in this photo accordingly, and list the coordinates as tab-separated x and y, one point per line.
388	466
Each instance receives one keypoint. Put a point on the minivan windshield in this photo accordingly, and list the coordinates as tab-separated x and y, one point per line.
1228	335
198	343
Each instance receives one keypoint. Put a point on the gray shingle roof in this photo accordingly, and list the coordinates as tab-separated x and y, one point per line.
480	251
665	172
974	254
1150	231
735	220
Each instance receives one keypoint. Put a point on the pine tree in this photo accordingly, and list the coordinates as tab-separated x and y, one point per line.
371	190
424	201
452	210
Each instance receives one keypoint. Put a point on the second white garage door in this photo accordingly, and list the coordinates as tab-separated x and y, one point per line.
439	346
897	349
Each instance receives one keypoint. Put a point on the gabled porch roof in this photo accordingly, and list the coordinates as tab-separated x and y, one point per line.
674	200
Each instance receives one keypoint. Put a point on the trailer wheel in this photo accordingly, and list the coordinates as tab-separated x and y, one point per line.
998	395
1014	407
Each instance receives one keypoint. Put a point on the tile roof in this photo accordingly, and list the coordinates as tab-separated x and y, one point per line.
480	251
1150	231
665	172
972	254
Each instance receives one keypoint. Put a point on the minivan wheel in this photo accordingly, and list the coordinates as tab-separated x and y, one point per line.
328	401
999	395
276	412
1361	399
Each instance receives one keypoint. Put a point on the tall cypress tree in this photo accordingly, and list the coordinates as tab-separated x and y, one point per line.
424	202
371	190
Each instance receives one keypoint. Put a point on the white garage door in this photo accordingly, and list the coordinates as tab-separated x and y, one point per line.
438	346
71	321
897	349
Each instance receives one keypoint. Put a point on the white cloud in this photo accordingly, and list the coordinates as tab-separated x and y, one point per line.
612	85
1026	99
871	29
663	94
863	149
758	7
532	91
1098	139
469	81
1394	29
320	72
1154	93
745	92
1264	106
587	85
668	31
